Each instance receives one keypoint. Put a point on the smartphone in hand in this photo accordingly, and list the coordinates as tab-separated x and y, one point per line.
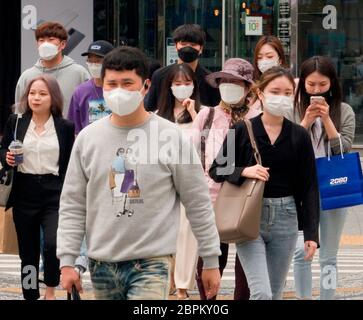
317	100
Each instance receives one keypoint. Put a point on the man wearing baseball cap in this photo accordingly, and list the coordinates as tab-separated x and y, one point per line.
87	104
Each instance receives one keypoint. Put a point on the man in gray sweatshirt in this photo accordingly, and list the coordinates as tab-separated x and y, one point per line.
51	40
126	178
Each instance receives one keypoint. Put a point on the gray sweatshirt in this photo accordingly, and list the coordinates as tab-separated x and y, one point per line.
347	128
68	73
123	192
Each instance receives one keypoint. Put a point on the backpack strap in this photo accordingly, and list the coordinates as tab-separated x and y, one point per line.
205	133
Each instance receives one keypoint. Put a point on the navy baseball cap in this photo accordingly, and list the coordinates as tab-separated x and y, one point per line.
99	48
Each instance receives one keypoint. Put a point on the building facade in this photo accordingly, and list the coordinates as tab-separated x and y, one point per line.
306	28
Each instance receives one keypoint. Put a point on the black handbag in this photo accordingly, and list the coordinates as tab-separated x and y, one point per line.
74	295
6	177
6	182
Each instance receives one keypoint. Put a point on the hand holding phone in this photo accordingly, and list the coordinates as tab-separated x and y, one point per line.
318	105
314	100
313	111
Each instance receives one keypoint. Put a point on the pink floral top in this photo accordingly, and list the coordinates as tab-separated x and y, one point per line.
214	142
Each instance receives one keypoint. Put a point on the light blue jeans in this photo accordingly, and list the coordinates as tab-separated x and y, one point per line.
144	279
82	260
331	229
266	260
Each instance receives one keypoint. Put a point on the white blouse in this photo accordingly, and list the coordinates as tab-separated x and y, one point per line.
41	152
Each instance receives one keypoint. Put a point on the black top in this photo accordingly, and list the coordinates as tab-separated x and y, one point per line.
279	158
292	167
65	134
209	96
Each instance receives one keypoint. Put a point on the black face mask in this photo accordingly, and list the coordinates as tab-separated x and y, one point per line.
327	95
188	54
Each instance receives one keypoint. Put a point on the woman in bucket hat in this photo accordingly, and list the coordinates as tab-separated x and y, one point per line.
234	83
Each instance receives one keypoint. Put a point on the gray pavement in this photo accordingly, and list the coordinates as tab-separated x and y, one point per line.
350	264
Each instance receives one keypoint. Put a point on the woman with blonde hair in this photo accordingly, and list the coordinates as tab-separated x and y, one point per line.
47	144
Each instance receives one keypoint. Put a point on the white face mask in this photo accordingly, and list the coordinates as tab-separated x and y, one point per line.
95	70
182	92
266	64
123	102
231	93
278	105
48	51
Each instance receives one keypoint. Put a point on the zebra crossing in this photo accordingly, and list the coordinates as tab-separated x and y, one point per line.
350	262
10	266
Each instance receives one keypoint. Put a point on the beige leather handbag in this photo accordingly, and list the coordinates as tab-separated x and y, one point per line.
238	209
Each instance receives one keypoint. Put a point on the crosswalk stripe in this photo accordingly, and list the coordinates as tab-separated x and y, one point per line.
350	261
345	271
85	279
230	278
359	267
340	263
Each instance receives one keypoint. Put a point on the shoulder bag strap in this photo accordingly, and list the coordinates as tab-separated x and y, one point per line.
205	133
251	135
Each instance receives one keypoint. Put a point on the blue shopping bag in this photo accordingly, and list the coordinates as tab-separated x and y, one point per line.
340	181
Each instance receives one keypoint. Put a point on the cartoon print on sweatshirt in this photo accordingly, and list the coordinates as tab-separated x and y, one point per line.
97	110
123	183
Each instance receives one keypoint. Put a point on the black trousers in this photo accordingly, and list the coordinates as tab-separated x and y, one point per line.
241	290
36	204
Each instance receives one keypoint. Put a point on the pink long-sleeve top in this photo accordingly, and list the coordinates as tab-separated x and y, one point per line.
214	142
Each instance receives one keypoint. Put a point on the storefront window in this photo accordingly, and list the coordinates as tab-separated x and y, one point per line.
206	13
102	26
148	27
244	30
138	24
127	22
335	29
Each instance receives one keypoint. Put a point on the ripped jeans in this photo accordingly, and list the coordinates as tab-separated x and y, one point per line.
143	279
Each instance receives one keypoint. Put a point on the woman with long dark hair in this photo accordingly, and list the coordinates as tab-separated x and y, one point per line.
320	110
179	103
179	100
47	143
268	53
290	200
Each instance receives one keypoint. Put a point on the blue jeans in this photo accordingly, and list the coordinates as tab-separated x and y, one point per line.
144	279
331	229
82	260
266	260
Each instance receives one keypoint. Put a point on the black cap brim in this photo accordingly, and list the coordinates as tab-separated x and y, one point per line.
95	53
